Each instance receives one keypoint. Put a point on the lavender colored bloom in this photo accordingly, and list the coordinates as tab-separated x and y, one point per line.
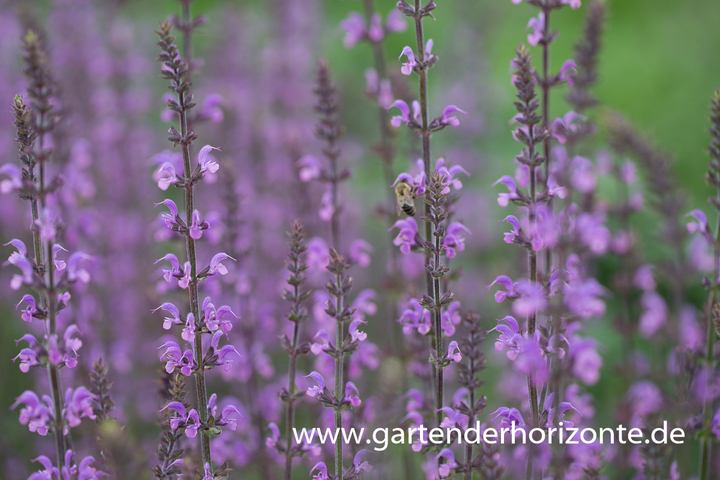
406	237
310	168
645	397
654	314
165	176
206	161
586	361
507	417
583	298
355	334
359	464
36	415
514	236
175	358
216	265
415	317
411	63
454	240
454	352
31	310
509	338
644	279
448	118
360	251
537	24
14	180
509	285
78	404
315	391
444	469
505	198
222	352
173	319
352	395
321	469
404	116
355	29
568	73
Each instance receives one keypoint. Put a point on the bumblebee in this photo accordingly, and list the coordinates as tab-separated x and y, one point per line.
405	198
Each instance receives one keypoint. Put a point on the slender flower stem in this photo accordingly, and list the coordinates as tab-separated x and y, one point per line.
41	89
433	289
290	411
298	313
713	178
200	386
339	371
706	444
546	115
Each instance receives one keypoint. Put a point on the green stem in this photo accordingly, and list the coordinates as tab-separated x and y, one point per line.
339	391
290	412
706	444
200	386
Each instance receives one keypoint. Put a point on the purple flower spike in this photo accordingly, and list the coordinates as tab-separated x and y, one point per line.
318	389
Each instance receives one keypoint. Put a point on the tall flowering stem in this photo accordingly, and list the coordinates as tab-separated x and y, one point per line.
176	71
169	450
33	152
713	178
474	406
298	314
531	133
45	272
216	322
437	214
330	130
419	62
